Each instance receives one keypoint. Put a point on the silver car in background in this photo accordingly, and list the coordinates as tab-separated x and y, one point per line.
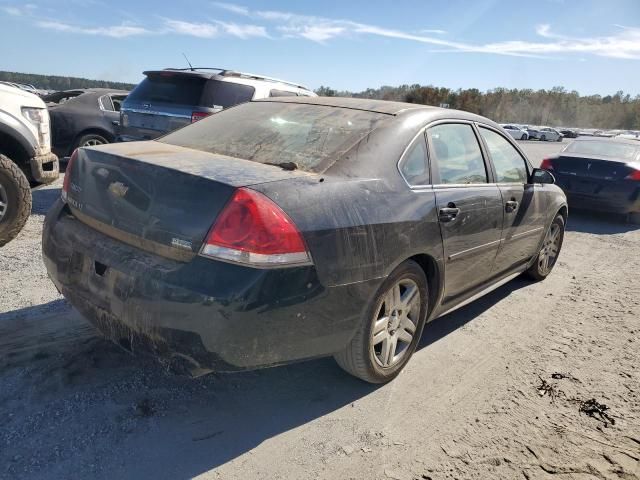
515	131
548	134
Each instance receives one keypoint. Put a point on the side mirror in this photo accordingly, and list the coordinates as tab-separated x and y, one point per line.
538	175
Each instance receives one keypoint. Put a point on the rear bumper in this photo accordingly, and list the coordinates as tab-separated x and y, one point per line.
44	168
616	197
219	316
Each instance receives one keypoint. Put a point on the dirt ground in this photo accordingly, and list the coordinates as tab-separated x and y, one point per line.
533	381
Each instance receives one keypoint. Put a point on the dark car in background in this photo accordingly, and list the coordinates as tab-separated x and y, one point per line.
83	117
172	98
569	133
600	174
293	228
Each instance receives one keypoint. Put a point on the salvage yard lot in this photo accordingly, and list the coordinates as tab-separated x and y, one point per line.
511	386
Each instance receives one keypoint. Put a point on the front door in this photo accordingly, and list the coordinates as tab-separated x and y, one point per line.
523	224
469	207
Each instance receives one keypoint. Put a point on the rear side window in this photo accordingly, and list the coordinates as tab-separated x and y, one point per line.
226	94
414	166
606	149
509	164
169	89
456	154
294	136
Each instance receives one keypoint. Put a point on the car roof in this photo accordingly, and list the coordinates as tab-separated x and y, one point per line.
628	141
227	75
422	113
367	104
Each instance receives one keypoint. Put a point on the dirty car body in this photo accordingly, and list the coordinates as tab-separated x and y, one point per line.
83	112
132	249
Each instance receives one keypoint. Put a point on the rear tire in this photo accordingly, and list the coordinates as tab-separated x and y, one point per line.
549	252
391	328
15	200
543	138
90	140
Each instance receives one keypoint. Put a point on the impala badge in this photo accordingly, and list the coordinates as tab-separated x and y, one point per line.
118	189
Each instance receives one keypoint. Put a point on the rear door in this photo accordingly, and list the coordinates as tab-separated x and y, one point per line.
469	206
523	220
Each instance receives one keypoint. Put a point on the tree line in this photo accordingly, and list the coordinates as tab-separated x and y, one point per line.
556	107
54	82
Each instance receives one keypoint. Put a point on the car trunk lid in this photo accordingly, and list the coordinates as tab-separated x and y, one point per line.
158	197
599	169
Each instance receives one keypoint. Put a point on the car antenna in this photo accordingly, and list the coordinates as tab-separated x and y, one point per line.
190	66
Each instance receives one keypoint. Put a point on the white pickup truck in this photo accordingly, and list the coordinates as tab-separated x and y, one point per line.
25	156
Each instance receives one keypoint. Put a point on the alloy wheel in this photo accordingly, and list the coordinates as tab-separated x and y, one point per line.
4	202
550	248
395	323
92	142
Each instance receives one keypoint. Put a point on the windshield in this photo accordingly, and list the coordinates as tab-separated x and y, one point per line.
606	149
295	136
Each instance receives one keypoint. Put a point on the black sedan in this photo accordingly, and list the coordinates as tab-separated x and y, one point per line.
293	228
601	174
83	117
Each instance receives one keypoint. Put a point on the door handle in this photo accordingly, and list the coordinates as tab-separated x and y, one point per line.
115	123
511	205
448	213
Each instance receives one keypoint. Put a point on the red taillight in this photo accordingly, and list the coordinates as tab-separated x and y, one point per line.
546	164
67	176
253	230
635	175
195	116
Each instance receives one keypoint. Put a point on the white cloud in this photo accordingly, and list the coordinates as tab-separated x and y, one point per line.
115	31
15	11
243	31
232	7
201	30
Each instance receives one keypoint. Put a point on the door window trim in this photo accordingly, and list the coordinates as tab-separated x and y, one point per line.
511	141
487	164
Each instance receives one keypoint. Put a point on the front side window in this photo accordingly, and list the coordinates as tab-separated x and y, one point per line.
414	166
509	164
456	154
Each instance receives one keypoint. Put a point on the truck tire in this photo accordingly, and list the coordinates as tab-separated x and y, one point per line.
15	200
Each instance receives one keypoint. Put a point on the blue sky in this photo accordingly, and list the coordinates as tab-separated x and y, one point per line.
589	46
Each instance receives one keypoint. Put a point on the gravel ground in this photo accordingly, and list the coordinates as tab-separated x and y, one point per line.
533	381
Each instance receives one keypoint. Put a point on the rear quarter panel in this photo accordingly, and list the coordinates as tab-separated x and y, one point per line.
358	229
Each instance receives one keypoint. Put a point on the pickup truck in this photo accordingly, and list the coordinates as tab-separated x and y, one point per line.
26	159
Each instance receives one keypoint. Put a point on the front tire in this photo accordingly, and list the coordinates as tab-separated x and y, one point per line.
523	137
391	329
548	254
15	200
543	138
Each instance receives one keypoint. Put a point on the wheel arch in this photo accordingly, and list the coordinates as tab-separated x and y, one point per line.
93	131
433	272
13	149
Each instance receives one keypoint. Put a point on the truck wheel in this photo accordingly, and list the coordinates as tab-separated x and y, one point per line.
391	328
15	200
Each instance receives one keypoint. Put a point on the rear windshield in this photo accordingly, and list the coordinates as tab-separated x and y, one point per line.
607	149
296	136
169	88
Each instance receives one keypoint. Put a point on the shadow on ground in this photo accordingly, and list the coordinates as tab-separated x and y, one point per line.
598	223
184	427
